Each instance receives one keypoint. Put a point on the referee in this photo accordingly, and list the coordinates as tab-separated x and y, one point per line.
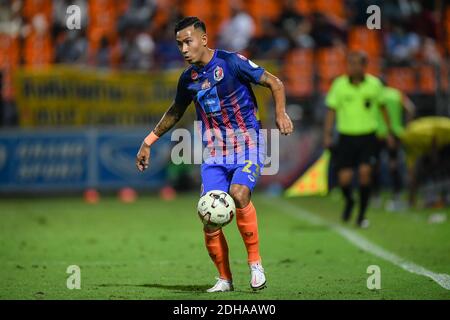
353	101
401	111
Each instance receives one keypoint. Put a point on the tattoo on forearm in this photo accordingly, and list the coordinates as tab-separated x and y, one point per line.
170	118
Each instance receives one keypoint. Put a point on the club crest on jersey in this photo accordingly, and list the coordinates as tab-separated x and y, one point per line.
206	84
194	75
218	73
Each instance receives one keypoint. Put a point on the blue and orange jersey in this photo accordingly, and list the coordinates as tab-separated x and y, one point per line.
222	93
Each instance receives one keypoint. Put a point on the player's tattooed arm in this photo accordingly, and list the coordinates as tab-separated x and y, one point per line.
169	119
283	121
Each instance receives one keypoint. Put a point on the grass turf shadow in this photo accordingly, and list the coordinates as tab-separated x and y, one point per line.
186	288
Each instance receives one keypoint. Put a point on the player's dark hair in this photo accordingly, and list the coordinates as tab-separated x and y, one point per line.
362	55
190	21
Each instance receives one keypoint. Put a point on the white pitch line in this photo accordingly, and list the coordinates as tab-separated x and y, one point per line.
440	278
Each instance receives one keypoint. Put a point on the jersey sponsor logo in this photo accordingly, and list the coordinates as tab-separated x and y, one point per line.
194	75
209	100
254	65
241	56
218	73
251	178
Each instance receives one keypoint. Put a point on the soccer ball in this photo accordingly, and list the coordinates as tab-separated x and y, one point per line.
216	208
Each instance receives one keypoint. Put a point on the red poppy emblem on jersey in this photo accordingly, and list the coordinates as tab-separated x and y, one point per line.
218	73
194	75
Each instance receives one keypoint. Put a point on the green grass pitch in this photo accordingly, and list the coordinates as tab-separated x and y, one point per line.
153	249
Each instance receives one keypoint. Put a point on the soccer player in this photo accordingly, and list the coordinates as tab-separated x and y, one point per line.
219	83
397	104
354	100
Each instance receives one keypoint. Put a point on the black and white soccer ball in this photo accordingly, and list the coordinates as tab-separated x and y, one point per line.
216	208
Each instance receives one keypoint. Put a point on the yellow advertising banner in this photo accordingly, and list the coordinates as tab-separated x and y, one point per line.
314	181
69	95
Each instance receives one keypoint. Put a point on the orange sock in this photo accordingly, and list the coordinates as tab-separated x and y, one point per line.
248	227
217	247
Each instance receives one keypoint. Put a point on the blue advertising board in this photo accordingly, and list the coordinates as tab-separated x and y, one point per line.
75	159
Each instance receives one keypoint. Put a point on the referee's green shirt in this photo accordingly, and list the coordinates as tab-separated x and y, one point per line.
393	100
356	105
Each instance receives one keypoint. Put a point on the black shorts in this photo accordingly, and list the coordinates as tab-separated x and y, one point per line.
352	151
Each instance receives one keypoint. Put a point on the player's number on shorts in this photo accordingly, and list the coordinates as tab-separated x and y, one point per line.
247	167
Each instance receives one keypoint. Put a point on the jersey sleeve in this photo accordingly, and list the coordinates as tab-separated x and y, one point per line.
331	99
246	69
183	96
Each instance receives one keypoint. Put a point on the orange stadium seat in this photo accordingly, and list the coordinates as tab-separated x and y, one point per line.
9	51
330	64
103	16
427	80
9	60
263	9
34	7
122	6
38	50
402	78
203	9
298	72
305	7
330	7
198	8
361	38
374	66
163	11
221	13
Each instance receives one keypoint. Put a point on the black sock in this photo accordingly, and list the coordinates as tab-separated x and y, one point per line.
347	192
364	194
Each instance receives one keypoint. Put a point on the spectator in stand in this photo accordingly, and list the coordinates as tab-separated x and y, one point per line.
235	34
102	58
425	20
430	53
288	21
138	52
326	33
72	47
302	35
167	54
269	45
139	15
10	18
401	46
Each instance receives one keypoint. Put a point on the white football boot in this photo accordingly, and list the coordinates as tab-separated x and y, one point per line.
222	285
258	278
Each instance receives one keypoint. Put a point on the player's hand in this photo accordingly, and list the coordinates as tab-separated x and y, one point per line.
143	157
284	124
